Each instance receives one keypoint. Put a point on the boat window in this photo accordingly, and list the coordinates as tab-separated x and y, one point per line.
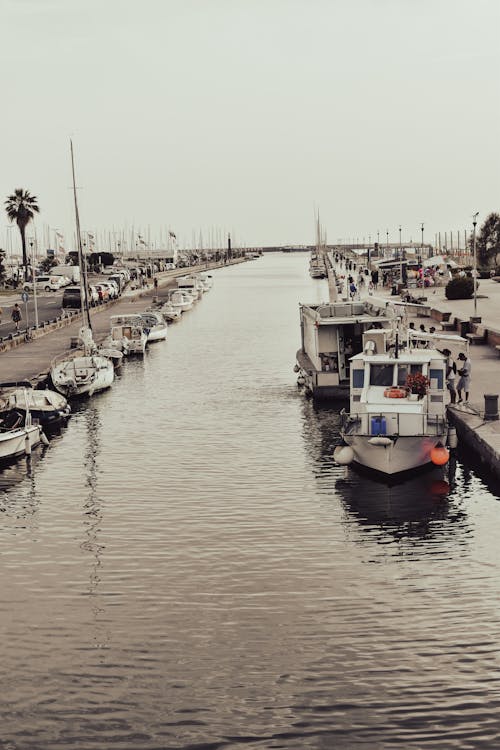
414	369
403	371
437	375
381	374
358	378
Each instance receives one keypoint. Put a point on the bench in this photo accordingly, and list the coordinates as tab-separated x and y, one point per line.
448	325
478	337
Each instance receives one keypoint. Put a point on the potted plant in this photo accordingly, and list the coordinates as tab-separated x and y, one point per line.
417	383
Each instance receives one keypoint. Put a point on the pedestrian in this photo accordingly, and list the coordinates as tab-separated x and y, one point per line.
1	313
422	328
451	372
464	380
155	283
352	290
16	315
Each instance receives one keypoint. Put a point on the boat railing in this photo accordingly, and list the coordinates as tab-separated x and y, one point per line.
425	424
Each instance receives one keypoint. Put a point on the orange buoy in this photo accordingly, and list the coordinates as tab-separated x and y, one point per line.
440	455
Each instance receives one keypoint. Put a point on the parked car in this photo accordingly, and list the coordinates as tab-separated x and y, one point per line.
103	292
47	283
72	297
114	289
118	280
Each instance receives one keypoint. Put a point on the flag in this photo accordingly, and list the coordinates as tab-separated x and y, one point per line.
60	243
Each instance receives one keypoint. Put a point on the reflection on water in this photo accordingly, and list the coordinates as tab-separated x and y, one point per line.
418	507
186	567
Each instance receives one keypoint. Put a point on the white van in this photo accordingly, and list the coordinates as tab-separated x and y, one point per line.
71	272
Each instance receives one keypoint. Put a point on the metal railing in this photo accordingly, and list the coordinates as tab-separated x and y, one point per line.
426	424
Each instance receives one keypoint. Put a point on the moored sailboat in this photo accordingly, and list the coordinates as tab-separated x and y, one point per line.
82	375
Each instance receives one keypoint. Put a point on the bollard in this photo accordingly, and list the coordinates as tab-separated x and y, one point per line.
491	406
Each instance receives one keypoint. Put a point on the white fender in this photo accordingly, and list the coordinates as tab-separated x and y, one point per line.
343	455
380	441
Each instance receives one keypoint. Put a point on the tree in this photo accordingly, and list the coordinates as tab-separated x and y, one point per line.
47	264
21	208
460	288
487	241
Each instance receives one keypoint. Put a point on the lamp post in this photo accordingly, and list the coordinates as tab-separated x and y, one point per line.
421	245
474	270
387	243
33	276
400	256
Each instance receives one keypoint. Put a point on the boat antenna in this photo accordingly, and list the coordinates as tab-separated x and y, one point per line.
81	260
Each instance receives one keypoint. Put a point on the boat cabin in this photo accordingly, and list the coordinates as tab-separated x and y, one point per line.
331	334
397	392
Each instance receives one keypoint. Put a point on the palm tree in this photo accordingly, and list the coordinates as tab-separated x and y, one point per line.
21	207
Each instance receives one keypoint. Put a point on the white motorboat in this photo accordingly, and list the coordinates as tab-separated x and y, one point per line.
47	408
155	326
17	436
129	327
397	420
180	300
206	281
170	313
115	355
191	284
82	375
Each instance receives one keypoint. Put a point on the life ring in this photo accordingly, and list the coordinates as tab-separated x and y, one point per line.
395	393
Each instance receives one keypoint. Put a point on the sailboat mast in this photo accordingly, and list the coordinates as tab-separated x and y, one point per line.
81	259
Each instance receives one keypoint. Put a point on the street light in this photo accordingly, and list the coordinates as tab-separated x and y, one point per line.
33	276
474	272
400	256
422	245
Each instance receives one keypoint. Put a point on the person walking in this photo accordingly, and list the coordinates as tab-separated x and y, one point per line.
464	380
16	316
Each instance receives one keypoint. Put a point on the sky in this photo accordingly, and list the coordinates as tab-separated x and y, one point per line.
250	115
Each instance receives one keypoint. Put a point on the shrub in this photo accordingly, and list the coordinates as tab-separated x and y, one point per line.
460	288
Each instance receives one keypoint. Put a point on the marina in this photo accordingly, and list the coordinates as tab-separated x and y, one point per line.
237	539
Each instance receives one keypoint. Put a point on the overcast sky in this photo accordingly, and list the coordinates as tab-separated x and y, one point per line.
248	114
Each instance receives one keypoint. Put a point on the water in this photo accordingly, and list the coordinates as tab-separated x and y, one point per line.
186	567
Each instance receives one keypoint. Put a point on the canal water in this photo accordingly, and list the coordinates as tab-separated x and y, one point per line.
186	567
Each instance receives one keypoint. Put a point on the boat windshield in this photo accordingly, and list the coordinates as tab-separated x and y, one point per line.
381	374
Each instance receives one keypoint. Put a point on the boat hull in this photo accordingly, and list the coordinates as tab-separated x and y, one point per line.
82	376
393	455
15	442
